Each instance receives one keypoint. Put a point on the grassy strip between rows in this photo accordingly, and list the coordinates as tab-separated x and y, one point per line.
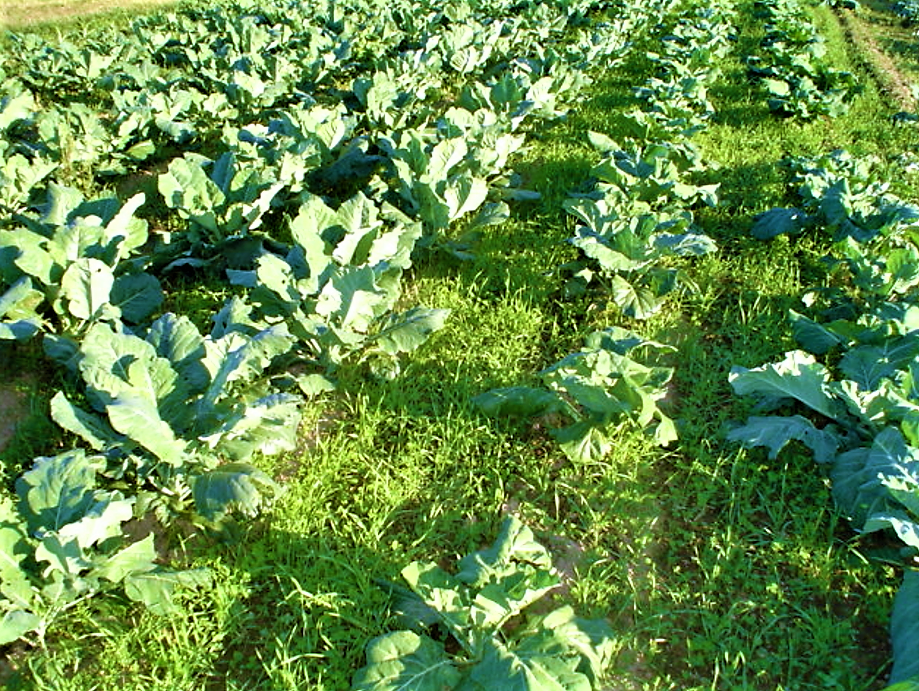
716	568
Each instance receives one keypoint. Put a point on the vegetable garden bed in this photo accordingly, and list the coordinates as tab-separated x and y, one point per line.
326	296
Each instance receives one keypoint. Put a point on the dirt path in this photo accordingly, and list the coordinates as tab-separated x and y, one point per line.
864	35
26	13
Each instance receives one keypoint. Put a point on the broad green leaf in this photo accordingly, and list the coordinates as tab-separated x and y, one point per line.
518	401
506	595
101	521
177	339
19	330
515	546
139	557
64	557
157	589
404	333
583	442
312	385
232	487
16	107
859	475
799	376
91	428
236	358
16	624
464	195
906	528
634	300
592	639
405	661
62	201
18	307
275	274
351	299
777	222
127	232
813	337
904	630
775	432
268	426
107	357
14	545
58	489
138	418
528	670
87	286
444	594
137	296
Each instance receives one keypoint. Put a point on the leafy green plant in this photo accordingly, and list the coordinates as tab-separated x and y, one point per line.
598	389
63	542
222	204
793	72
168	409
81	257
629	247
480	609
337	285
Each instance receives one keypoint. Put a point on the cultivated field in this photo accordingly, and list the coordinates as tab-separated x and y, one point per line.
416	345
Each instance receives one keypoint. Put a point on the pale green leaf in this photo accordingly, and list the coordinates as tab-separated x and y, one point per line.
157	589
138	418
93	429
799	376
405	661
136	558
58	490
404	333
87	286
16	624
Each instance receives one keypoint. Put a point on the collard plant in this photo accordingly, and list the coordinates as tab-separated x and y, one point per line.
179	414
628	251
62	542
598	390
859	416
81	258
494	641
222	199
337	285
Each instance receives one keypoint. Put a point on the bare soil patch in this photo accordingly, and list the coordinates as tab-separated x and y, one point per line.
864	33
16	14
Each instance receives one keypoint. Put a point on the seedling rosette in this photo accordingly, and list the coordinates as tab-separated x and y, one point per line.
482	609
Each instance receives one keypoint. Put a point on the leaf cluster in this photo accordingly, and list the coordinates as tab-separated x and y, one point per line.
482	609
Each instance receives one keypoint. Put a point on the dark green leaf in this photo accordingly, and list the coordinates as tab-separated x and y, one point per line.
904	630
775	432
522	401
58	489
232	487
137	296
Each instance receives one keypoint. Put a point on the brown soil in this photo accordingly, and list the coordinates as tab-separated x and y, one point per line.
863	34
26	13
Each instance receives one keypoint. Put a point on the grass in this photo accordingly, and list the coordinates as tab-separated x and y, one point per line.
717	568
